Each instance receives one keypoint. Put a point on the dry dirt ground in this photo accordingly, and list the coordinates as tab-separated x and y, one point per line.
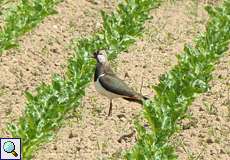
87	133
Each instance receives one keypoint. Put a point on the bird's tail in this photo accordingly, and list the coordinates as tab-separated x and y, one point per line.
137	100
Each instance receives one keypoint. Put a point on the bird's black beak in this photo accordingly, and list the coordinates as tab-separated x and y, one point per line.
94	55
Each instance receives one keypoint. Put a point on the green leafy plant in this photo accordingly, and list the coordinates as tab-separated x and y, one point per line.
180	86
46	110
21	19
5	5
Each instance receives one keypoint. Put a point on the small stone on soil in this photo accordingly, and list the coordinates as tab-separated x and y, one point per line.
209	141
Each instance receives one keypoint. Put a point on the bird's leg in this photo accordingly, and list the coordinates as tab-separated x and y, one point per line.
110	108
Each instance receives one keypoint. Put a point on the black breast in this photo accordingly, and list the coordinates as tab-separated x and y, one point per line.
98	71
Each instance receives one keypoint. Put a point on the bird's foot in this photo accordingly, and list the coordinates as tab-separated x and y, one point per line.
108	116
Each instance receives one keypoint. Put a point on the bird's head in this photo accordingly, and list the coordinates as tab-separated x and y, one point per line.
100	56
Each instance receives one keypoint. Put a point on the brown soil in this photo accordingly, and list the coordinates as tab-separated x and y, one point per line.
87	133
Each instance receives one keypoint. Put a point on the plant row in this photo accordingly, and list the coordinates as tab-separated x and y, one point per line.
22	18
180	86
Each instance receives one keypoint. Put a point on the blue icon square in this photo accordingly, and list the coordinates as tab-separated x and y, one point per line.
10	149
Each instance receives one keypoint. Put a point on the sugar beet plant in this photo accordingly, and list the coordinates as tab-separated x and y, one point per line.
46	110
22	18
178	88
5	5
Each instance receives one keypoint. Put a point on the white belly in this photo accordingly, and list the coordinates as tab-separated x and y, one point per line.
104	92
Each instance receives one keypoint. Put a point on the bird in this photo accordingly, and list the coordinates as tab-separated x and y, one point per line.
108	84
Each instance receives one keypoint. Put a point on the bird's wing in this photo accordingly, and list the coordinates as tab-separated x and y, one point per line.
114	84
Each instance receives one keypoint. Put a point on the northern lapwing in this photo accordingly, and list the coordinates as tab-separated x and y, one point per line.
109	85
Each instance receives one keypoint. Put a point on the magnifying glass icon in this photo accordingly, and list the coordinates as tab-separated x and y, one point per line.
9	147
